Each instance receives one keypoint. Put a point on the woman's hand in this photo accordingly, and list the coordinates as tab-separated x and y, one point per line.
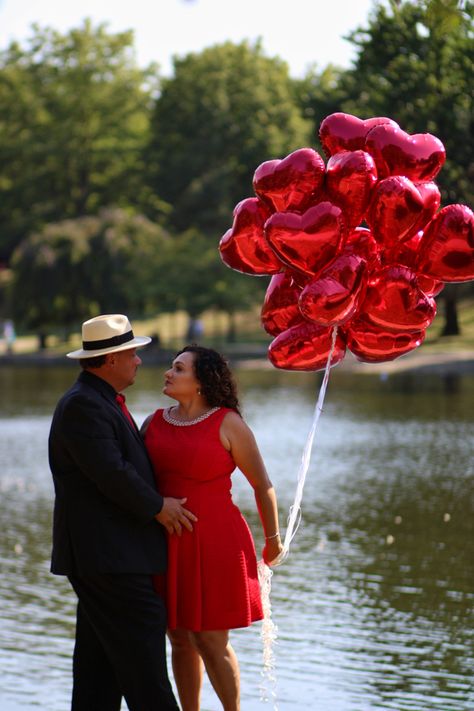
272	549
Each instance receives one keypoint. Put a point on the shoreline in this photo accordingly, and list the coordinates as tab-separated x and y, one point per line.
421	361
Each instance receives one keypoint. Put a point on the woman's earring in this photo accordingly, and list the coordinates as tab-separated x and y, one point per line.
199	391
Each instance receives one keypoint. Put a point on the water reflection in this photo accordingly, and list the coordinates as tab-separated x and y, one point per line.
374	604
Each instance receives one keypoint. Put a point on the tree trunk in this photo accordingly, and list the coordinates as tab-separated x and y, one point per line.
42	338
451	324
232	328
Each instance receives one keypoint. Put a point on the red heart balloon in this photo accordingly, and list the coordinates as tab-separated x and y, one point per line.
307	242
418	157
299	279
280	307
361	242
429	286
334	296
291	183
244	247
404	253
395	208
407	254
344	132
305	346
447	250
394	301
431	198
350	179
373	344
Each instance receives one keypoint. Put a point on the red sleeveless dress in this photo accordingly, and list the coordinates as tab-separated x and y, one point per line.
211	581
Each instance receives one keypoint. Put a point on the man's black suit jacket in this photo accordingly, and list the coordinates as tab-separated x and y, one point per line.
106	497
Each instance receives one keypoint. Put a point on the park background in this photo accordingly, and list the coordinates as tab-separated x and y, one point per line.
118	181
118	178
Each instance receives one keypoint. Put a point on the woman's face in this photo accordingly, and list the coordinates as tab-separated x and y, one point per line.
180	379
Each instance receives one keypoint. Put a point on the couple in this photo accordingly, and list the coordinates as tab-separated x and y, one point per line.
146	530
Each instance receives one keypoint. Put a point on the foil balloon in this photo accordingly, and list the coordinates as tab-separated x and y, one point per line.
359	245
280	307
307	242
405	253
344	132
395	302
244	247
447	249
374	344
431	287
350	179
362	243
431	198
305	346
395	209
333	297
419	157
291	183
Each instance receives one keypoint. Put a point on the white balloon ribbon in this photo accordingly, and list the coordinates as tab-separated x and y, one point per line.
269	629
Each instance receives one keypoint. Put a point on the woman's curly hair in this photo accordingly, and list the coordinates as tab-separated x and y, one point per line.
215	378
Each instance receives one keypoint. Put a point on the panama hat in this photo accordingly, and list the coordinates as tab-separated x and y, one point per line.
107	334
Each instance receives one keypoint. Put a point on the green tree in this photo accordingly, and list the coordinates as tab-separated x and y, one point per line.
320	93
225	111
191	277
74	116
415	63
77	268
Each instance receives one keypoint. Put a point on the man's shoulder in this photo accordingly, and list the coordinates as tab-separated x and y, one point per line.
81	395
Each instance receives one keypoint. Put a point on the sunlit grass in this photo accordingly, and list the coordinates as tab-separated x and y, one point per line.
172	329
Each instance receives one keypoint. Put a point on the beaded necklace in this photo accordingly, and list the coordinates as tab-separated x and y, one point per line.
185	423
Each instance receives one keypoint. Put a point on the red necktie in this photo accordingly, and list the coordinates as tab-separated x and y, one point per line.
121	403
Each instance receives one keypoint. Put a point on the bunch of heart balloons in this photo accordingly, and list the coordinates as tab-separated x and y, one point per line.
359	243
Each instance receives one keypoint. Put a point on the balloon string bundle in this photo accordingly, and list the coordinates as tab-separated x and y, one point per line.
269	629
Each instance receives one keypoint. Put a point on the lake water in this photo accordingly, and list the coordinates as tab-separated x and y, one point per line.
374	605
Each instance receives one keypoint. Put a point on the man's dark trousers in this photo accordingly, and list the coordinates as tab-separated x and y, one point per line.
120	645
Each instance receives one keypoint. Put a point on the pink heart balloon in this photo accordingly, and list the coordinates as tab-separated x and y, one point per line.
280	307
374	344
291	183
344	132
305	346
395	208
447	250
334	296
419	157
350	179
394	301
244	247
307	242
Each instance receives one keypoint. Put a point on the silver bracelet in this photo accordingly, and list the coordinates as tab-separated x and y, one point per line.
268	538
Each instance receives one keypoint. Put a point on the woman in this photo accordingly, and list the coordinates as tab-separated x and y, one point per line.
211	583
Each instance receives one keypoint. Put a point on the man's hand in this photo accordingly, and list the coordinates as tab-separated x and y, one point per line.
173	516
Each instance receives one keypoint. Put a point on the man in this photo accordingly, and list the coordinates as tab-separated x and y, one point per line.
108	534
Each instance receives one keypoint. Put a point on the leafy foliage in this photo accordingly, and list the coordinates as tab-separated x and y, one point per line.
415	64
74	112
74	269
225	110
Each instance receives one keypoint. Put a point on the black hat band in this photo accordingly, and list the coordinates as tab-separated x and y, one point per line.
108	342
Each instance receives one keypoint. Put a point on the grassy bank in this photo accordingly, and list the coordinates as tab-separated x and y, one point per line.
250	336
